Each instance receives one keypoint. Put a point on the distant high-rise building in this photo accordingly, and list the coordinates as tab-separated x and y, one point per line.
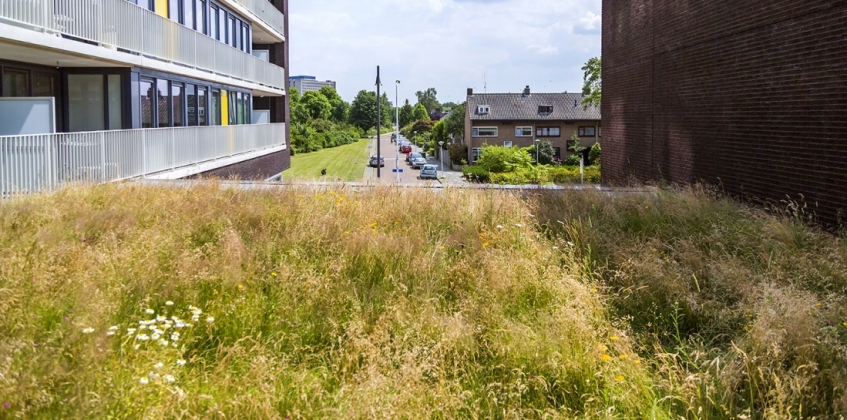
307	83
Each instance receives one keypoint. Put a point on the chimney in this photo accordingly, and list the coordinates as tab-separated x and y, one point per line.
526	91
470	91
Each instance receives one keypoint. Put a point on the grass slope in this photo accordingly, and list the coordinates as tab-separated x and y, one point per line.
342	163
150	302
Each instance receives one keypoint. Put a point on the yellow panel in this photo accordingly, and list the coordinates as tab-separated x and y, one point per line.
224	107
161	7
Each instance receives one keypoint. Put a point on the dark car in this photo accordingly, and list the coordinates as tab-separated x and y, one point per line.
405	148
373	161
411	156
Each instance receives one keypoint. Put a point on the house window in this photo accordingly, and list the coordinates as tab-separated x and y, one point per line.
148	100
476	152
545	109
178	104
507	144
586	131
557	153
163	103
484	132
214	28
523	131
548	132
483	109
15	83
200	18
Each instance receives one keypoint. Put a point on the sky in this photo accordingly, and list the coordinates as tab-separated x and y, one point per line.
498	46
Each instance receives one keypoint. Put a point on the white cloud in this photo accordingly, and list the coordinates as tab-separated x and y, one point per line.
446	44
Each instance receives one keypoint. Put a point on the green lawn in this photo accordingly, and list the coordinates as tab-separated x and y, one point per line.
343	163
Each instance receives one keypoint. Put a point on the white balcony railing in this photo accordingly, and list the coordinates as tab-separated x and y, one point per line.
34	163
264	10
121	24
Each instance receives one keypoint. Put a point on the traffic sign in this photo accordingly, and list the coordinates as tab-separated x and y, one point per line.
397	170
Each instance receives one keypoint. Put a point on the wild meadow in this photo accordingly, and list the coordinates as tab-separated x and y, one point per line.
131	301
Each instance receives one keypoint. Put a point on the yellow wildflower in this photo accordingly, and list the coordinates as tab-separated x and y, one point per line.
274	274
485	244
240	286
614	338
637	362
605	357
620	378
623	357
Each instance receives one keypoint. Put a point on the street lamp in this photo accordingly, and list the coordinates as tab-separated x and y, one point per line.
537	141
415	137
441	154
397	111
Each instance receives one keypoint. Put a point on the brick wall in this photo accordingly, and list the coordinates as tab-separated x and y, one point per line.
258	169
746	94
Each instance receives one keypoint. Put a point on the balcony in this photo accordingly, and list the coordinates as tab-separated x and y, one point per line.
120	25
266	12
34	163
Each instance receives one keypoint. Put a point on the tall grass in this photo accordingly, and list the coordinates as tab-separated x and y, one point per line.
741	314
300	303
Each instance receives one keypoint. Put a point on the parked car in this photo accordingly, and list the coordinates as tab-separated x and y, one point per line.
405	148
411	156
429	171
418	162
373	161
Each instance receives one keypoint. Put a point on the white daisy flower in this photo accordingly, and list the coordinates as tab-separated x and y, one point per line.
169	303
88	330
153	375
170	379
150	311
155	336
180	362
130	331
144	381
142	337
163	343
210	319
113	328
159	365
110	333
161	318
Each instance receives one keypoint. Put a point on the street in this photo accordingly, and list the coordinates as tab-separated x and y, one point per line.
396	160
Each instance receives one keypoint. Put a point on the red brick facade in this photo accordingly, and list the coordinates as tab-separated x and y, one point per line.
748	95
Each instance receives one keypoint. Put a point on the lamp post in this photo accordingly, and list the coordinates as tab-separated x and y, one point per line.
415	137
537	142
441	155
397	110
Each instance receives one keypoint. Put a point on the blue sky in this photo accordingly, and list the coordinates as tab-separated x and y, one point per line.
450	45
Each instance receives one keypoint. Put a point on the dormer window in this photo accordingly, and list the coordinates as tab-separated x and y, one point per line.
545	109
483	109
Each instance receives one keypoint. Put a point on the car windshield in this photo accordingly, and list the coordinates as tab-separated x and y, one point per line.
415	155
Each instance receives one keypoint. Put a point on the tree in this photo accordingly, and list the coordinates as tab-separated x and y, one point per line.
447	106
317	105
592	83
455	123
363	110
594	154
439	133
428	99
545	152
340	109
420	113
387	111
406	114
293	95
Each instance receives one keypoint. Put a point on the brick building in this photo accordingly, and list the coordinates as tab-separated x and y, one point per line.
748	95
518	119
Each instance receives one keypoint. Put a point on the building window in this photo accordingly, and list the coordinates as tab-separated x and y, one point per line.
86	102
586	131
222	26
146	93
483	109
174	12
43	85
233	32
476	152
214	28
163	103
115	101
557	154
178	104
216	107
188	13
523	131
484	132
15	83
507	144
201	106
548	132
545	109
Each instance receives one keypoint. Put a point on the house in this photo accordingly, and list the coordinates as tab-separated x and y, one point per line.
520	119
115	89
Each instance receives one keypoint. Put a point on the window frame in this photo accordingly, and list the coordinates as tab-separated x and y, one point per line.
476	152
540	131
483	109
475	131
548	109
582	131
507	143
521	130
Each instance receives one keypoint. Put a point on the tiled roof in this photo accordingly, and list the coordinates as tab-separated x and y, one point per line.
516	107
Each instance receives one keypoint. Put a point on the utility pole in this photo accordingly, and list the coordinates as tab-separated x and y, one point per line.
378	124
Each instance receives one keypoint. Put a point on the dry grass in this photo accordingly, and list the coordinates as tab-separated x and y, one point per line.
335	304
742	314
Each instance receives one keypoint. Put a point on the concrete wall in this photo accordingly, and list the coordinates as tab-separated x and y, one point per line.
745	94
254	169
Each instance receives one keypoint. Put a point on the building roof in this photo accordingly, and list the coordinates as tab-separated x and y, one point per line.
517	106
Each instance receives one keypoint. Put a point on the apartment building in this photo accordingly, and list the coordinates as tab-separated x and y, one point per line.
519	119
115	89
306	83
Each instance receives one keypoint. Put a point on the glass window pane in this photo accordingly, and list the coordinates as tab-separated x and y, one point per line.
191	95
42	85
201	106
188	13
248	109
87	110
201	17
222	25
115	121
239	108
233	32
216	107
163	103
214	32
173	6
232	107
178	104
15	83
146	92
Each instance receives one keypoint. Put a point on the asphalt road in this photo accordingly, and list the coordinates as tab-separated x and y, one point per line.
395	159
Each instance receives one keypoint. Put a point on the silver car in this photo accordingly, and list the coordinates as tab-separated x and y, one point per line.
417	162
429	171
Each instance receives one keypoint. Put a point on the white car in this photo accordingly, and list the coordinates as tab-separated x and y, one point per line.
429	171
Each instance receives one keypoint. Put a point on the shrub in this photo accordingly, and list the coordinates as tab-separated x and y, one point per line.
475	173
594	154
458	152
